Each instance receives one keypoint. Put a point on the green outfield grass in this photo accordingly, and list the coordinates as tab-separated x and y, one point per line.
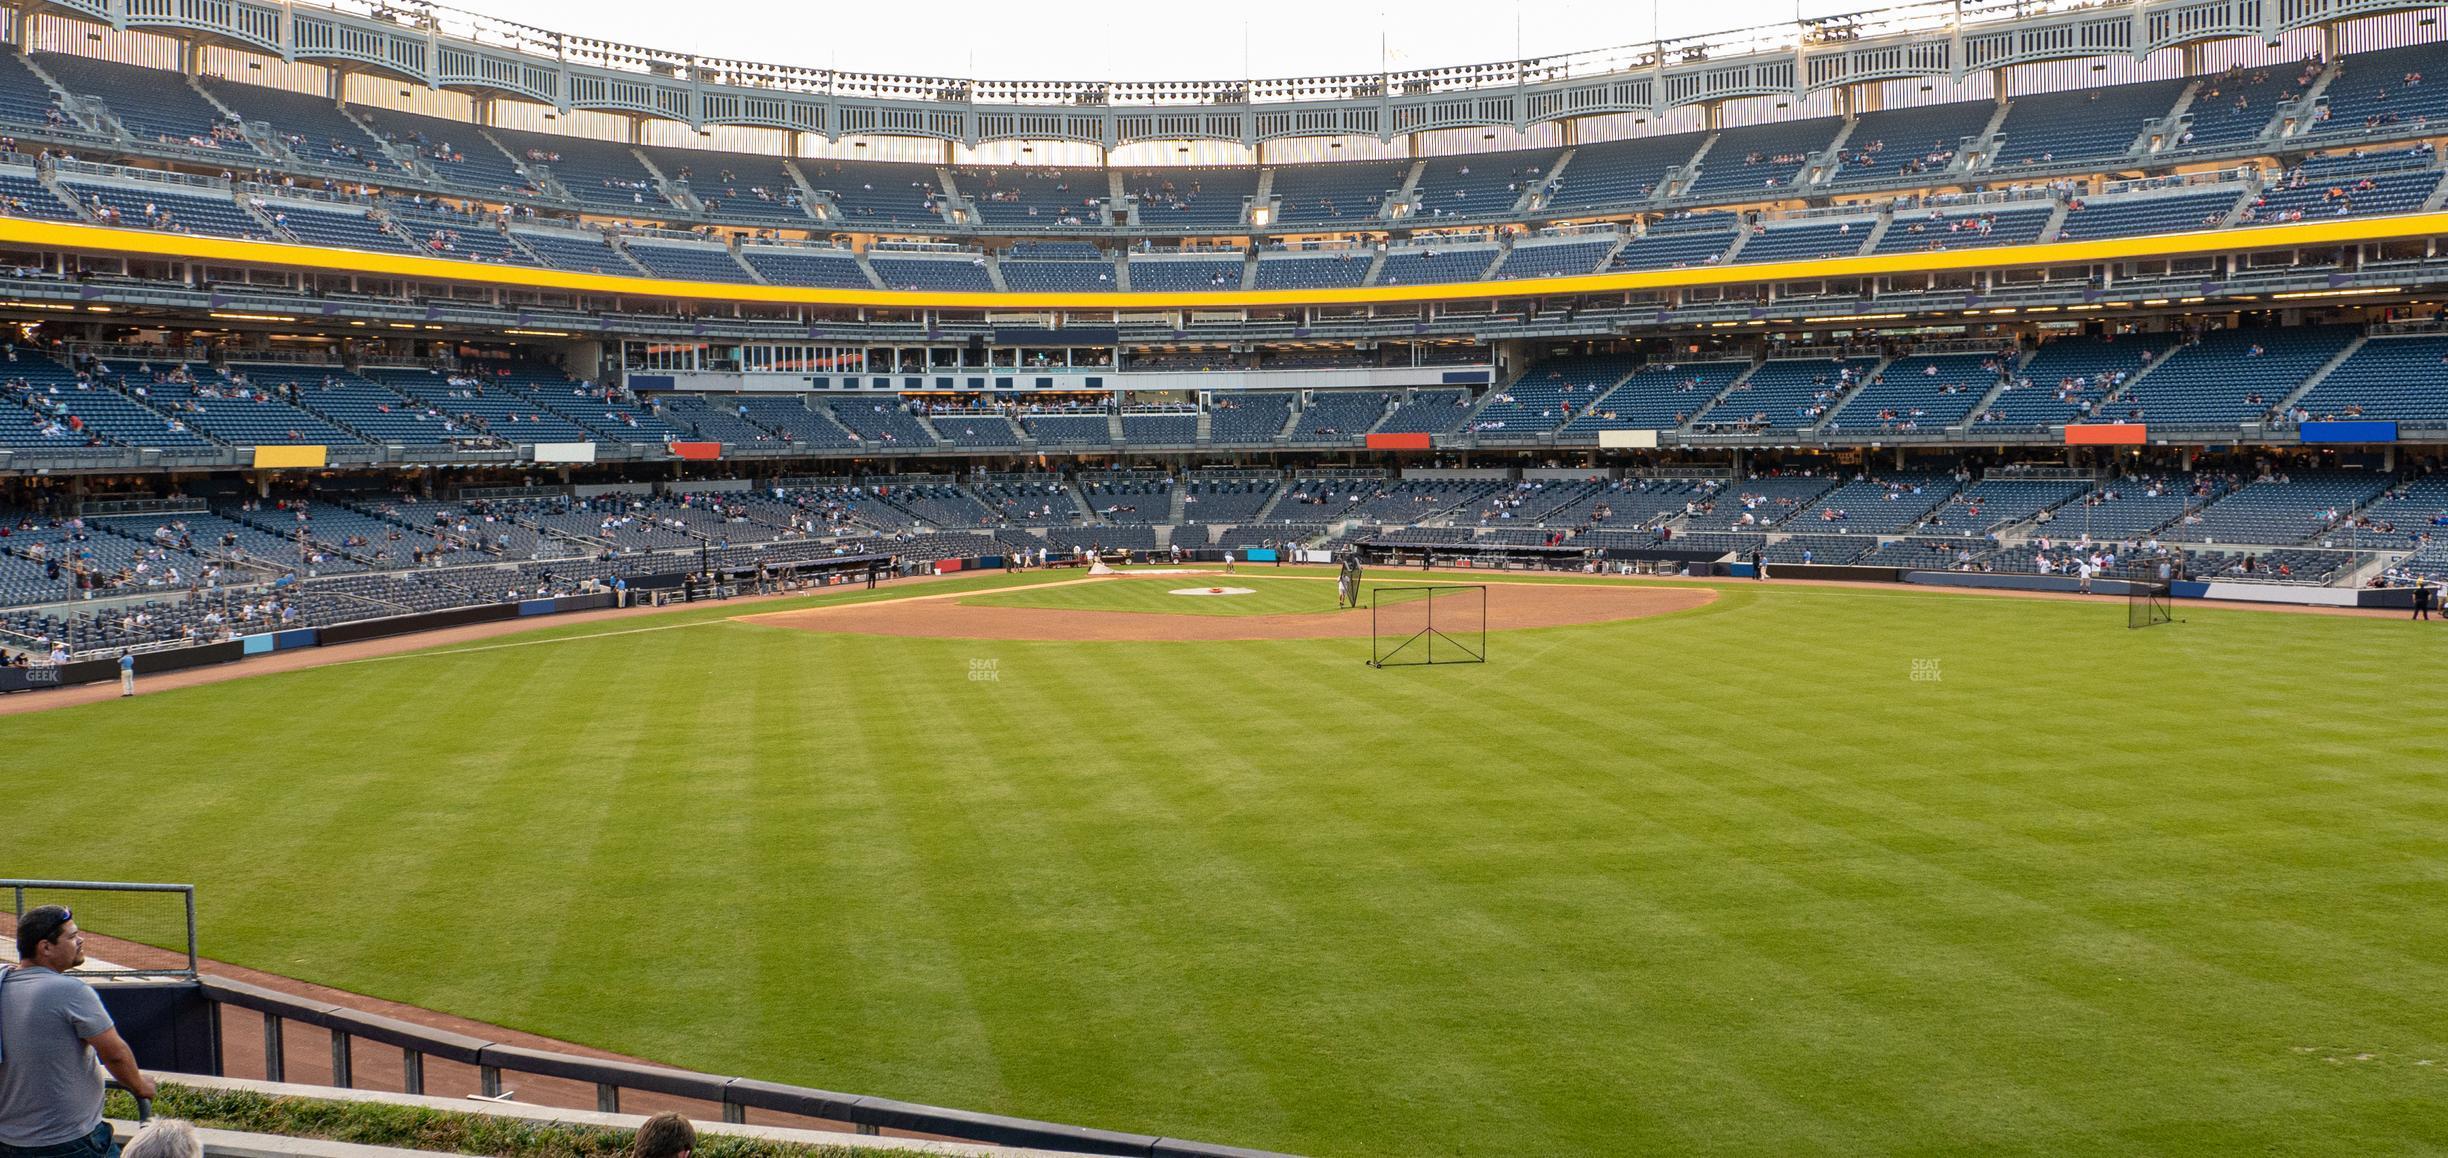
1269	595
1806	871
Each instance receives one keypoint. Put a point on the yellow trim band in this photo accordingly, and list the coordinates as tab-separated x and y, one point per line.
101	239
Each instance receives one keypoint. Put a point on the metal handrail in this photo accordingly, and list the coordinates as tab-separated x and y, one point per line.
18	890
736	1096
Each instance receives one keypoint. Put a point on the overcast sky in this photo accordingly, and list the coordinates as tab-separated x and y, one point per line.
1014	41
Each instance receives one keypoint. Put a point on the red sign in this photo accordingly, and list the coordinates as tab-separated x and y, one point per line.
2107	434
1398	442
707	451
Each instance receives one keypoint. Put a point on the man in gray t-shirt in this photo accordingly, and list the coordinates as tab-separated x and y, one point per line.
52	1030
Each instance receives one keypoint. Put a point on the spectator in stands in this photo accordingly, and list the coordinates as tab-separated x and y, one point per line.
165	1138
53	1028
666	1135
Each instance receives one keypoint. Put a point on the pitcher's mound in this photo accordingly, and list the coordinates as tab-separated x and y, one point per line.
1510	606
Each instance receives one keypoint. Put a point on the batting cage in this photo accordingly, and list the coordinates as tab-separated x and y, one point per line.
1413	626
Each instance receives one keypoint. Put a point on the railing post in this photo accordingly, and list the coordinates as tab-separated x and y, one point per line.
212	1025
869	1129
412	1071
274	1070
340	1059
607	1098
735	1113
488	1081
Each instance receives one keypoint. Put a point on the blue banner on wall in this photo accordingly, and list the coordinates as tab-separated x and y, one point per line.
2348	432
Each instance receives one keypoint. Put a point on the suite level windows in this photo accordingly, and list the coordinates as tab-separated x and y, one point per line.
751	358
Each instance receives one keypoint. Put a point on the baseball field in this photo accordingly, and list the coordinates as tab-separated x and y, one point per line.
1722	869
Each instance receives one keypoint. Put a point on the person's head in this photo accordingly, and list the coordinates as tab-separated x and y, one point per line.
666	1135
164	1138
47	936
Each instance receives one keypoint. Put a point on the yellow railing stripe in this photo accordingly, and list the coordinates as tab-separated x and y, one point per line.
102	239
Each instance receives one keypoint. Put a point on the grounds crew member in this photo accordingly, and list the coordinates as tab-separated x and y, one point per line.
52	1030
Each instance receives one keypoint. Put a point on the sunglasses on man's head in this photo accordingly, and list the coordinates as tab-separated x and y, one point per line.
66	916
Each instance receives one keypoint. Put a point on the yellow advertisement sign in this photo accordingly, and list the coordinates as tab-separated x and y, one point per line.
269	457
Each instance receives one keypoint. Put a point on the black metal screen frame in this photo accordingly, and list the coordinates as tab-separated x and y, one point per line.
1464	643
2148	605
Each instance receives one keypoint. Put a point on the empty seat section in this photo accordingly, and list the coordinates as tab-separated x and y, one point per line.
2386	91
957	272
335	225
1936	230
1605	174
873	193
597	173
1549	394
1191	198
2236	105
1345	269
578	252
1659	396
1069	429
1247	417
1339	417
1348	192
1760	159
679	259
814	268
22	194
2393	379
455	235
1169	429
1432	265
2231	376
152	104
1898	144
2293	508
742	185
2358	195
1921	392
1788	393
2147	214
313	127
1058	267
1676	245
1477	185
1160	275
2083	125
455	149
1553	260
1428	412
976	431
1026	198
2068	379
1805	241
175	211
25	99
878	423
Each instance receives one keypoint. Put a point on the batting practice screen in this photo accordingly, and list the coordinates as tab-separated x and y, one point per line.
1427	624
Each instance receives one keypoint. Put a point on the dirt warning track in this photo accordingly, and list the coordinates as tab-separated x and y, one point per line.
1510	606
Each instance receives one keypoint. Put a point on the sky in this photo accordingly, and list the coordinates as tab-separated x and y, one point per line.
1019	41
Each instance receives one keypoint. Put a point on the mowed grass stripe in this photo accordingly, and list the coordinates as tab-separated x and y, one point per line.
1728	881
